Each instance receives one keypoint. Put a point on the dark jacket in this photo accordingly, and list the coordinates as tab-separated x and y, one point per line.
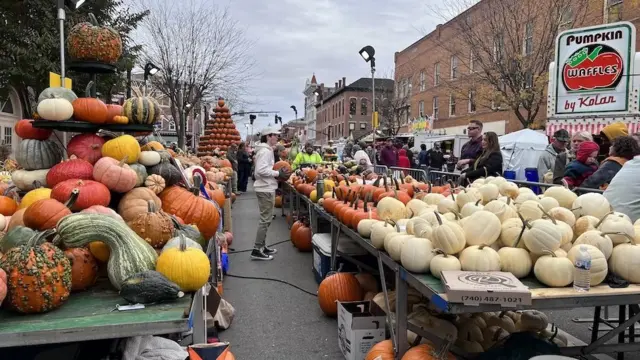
389	156
243	160
605	173
422	157
577	172
491	166
410	157
472	149
232	156
558	167
435	159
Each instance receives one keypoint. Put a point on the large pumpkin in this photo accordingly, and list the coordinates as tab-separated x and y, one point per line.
44	214
154	226
38	154
24	129
188	267
38	276
116	175
338	287
190	207
91	193
73	168
142	110
86	146
90	109
84	268
124	146
135	202
89	41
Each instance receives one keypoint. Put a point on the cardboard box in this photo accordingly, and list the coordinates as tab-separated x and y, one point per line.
361	324
475	288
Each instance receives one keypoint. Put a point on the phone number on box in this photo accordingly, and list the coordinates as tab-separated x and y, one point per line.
491	299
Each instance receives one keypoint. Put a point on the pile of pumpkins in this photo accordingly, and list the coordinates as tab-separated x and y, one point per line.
113	202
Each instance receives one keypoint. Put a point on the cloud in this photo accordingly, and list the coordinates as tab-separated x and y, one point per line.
294	39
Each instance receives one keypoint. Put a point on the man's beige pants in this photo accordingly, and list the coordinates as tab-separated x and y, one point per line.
265	204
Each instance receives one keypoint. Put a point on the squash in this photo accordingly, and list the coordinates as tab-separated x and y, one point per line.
55	108
501	209
155	182
600	240
123	147
25	130
141	173
149	158
501	320
149	287
599	267
381	351
593	204
15	237
17	219
482	228
479	258
130	254
448	236
135	202
188	267
84	268
142	110
470	195
516	261
585	224
28	180
554	271
114	110
116	175
73	168
38	154
442	262
86	146
44	214
416	254
8	205
155	226
169	173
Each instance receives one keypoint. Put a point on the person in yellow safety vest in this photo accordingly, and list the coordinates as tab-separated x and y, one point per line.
307	157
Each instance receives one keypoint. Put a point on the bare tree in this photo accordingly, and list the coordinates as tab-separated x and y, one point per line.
394	106
202	53
503	49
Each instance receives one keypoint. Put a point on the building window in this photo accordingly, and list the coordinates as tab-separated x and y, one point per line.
472	101
352	106
363	106
498	47
8	134
452	105
363	126
421	108
454	67
172	125
435	108
423	84
436	74
528	80
352	126
472	62
528	39
6	106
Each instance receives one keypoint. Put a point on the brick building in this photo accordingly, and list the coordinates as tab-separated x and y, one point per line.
425	70
347	109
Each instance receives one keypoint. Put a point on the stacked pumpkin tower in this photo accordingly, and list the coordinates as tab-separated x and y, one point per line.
219	132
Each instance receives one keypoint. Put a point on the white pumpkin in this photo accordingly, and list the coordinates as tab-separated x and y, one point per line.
379	231
55	109
619	229
416	254
540	236
516	261
479	258
599	267
525	190
564	196
391	235
585	224
619	214
433	198
565	230
511	233
443	262
25	180
530	210
636	228
467	195
448	236
559	253
149	158
431	217
503	321
593	204
365	226
554	271
548	203
525	196
562	214
447	205
482	227
532	320
416	206
509	189
390	208
469	208
501	209
395	246
489	192
410	224
598	239
625	262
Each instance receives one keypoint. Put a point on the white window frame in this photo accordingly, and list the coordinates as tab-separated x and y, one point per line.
454	67
435	107
452	105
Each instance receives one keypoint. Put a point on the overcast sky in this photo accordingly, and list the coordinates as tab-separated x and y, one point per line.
295	38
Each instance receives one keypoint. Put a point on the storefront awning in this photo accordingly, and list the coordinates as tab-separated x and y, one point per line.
592	125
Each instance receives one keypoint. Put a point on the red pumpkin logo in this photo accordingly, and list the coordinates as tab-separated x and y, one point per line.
592	67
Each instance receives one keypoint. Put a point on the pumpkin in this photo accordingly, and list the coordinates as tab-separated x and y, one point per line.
38	154
149	158
45	214
169	173
84	268
175	243
33	196
338	287
8	205
282	164
124	146
188	267
553	271
156	183
142	110
302	238
99	209
141	173
120	119
89	41
442	262
116	175
28	180
38	276
479	258
134	203
391	208
86	146
563	214
189	206
17	219
113	110
129	253
57	92
100	251
625	261
24	129
593	204
73	168
91	193
416	254
3	285
482	228
90	109
549	203
516	261
152	146
448	236
17	236
55	109
619	229
427	352
190	231
381	351
599	268
154	226
541	236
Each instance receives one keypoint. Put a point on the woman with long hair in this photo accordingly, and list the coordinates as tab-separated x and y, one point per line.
488	164
244	167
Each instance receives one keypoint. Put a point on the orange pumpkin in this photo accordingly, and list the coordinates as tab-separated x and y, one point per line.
303	238
44	214
338	287
119	119
381	351
90	109
282	164
8	206
84	268
100	251
426	352
113	110
278	202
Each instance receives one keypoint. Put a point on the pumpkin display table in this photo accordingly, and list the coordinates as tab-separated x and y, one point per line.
89	315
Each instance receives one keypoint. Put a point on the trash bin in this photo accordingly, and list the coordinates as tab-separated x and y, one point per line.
531	175
509	174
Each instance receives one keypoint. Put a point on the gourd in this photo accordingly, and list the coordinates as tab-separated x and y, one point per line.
596	238
55	109
482	228
142	110
149	158
188	267
115	175
169	173
155	226
599	267
593	204
90	41
16	237
540	236
625	261
38	154
135	202
525	196
516	261
443	262
149	287
155	182
448	236
28	180
141	173
479	258
553	271
390	208
84	268
447	205
130	254
123	147
90	109
25	130
114	110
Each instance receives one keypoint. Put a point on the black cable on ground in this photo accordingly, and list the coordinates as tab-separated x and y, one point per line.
232	251
274	280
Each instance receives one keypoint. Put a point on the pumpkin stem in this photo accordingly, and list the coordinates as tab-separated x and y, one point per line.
123	161
524	221
438	218
93	20
36	238
439	252
183	242
346	199
508	200
87	90
456	214
482	246
630	239
547	215
395	181
502	314
151	206
478	202
36	184
197	181
430	187
72	198
367	198
603	219
549	252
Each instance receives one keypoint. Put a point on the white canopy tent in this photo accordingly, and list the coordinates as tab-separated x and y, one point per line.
521	150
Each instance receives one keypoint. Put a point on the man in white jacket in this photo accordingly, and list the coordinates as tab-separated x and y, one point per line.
265	187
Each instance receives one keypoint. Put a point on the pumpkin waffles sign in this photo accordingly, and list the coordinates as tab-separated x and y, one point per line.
593	68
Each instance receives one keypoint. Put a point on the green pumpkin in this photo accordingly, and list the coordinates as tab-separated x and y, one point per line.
57	93
141	173
142	110
16	237
189	231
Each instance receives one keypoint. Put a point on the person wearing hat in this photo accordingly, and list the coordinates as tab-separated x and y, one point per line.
265	187
547	160
308	156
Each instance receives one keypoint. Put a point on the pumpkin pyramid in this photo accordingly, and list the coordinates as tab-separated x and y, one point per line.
219	131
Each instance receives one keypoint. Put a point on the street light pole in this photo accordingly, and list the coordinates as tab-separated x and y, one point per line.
367	54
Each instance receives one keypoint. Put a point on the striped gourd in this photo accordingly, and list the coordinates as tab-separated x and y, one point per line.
142	110
130	254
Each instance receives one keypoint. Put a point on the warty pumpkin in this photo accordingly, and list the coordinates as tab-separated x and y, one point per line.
90	41
155	226
115	175
38	276
121	147
189	267
45	214
84	268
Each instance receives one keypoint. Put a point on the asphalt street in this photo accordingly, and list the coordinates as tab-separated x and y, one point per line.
277	321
